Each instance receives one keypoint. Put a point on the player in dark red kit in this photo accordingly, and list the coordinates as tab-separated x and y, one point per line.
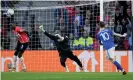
22	44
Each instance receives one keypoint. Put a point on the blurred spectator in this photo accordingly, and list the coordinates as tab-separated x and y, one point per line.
85	41
87	26
76	29
88	14
71	37
35	39
118	16
130	42
61	14
75	43
79	18
124	5
117	3
85	11
129	27
71	13
34	43
59	27
128	2
5	40
5	23
129	33
129	14
78	23
121	29
64	29
96	9
94	19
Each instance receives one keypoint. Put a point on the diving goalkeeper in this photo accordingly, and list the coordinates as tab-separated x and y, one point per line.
61	43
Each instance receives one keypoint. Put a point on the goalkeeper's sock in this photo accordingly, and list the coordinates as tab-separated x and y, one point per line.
66	68
118	65
22	62
14	61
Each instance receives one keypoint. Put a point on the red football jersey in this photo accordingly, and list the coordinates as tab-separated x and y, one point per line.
22	36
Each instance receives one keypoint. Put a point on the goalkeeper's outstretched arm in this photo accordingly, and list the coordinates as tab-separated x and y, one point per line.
51	36
47	34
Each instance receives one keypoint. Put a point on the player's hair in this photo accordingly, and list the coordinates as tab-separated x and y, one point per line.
101	24
13	23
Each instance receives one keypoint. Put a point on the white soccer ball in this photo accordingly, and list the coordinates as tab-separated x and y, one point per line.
10	12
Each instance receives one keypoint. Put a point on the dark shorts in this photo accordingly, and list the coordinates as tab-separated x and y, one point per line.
21	46
67	54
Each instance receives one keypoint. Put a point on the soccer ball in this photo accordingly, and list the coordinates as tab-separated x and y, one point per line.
10	12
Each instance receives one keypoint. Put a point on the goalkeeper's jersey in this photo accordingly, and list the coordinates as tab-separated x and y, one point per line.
61	45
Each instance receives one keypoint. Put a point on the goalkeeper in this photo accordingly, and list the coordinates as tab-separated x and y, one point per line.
61	42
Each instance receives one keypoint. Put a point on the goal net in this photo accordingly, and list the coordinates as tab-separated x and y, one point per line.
76	19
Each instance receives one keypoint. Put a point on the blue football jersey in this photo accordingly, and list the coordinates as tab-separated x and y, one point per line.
106	38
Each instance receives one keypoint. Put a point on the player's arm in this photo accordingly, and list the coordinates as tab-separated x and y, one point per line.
47	34
60	37
116	34
100	42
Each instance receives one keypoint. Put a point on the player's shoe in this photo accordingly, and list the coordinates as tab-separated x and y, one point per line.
24	70
83	70
13	69
9	66
124	73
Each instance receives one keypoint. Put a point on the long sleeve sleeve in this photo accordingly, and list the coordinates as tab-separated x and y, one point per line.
51	36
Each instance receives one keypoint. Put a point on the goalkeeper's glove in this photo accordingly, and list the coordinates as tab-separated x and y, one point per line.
41	27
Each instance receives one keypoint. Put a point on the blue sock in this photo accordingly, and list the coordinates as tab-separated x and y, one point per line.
118	65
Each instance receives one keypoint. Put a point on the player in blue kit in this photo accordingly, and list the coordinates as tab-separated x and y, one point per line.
105	37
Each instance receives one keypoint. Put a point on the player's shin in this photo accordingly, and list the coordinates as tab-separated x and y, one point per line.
118	66
79	63
65	67
23	64
14	62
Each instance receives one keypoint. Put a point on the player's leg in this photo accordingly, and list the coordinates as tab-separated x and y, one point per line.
15	56
75	58
23	48
110	55
13	67
62	61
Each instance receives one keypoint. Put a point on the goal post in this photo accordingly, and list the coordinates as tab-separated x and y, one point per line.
101	46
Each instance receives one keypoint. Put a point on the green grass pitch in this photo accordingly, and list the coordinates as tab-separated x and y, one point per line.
64	76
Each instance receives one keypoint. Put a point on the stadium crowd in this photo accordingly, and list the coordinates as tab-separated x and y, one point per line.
81	23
